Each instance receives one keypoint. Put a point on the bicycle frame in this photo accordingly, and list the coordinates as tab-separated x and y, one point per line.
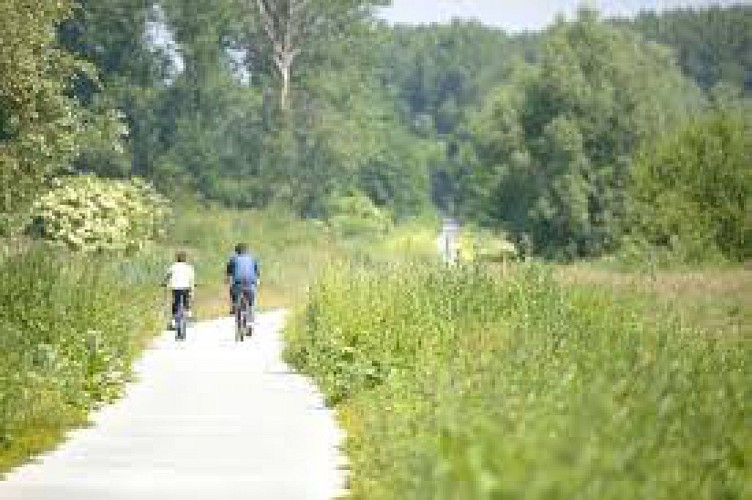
243	315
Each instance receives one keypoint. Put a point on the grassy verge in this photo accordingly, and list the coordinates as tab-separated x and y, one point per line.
69	329
716	300
460	384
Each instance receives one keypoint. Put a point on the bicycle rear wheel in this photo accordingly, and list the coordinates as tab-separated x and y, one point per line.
181	322
180	327
251	310
241	319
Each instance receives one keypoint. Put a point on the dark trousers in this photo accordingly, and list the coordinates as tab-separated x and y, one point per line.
248	290
177	297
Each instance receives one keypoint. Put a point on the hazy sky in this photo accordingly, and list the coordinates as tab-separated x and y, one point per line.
523	14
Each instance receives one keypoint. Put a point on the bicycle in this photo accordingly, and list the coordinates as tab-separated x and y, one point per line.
243	314
181	319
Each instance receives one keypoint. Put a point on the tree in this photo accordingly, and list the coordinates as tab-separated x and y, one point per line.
438	75
302	28
40	124
712	44
116	37
209	121
555	146
691	192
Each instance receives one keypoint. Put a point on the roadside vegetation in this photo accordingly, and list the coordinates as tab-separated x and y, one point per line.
78	302
462	383
79	305
70	326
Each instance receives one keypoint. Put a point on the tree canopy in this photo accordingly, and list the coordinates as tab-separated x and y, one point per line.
305	103
554	148
40	124
692	191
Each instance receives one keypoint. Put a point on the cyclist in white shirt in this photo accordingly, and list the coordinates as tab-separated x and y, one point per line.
181	280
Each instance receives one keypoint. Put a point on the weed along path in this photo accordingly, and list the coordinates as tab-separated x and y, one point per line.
207	419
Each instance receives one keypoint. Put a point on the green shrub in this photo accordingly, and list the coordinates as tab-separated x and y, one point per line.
456	384
87	213
69	328
356	215
692	191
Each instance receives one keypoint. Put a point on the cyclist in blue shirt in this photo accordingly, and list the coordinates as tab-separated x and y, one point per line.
242	274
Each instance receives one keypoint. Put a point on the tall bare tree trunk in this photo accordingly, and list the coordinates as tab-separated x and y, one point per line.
279	24
284	96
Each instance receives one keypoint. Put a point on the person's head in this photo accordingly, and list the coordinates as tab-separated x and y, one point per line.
241	248
181	256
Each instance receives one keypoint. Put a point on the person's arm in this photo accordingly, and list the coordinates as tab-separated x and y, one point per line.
229	269
167	276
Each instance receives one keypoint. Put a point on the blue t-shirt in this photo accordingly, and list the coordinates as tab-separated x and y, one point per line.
244	268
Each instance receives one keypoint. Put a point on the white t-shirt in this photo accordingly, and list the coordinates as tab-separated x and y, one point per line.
180	276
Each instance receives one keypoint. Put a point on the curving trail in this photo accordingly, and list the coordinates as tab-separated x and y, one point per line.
208	419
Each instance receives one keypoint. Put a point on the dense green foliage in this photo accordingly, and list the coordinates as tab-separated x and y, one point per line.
458	384
692	192
530	133
200	86
69	329
538	132
555	147
713	45
41	126
117	38
437	75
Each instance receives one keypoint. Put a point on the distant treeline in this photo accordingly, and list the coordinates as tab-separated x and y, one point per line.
252	104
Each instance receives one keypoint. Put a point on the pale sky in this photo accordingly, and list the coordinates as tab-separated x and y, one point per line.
524	14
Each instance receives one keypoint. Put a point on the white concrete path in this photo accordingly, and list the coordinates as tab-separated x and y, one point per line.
208	419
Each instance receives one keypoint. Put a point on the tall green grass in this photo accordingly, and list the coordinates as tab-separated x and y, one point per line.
69	329
290	252
459	384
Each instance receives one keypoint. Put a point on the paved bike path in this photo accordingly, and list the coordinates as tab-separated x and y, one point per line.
207	419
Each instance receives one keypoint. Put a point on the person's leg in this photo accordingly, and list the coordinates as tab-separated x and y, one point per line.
175	300
232	298
185	297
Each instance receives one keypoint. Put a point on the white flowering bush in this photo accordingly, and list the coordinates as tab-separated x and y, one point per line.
89	214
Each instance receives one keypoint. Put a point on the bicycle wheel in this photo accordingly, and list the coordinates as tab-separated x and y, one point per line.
181	323
182	327
250	322
240	320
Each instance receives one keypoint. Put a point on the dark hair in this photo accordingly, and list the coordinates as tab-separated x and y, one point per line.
181	256
241	248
